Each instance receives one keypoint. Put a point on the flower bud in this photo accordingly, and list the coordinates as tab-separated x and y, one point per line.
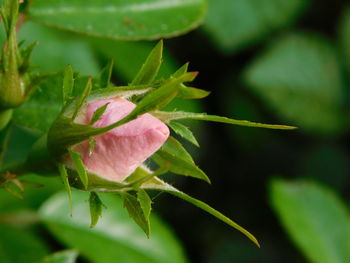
118	152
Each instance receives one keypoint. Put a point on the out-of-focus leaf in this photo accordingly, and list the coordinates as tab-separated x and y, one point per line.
315	218
65	256
299	78
18	245
115	236
126	20
43	106
234	24
344	31
58	49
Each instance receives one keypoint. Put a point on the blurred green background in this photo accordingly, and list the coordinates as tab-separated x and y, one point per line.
271	61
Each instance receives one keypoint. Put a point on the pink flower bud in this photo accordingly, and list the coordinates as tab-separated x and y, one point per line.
119	152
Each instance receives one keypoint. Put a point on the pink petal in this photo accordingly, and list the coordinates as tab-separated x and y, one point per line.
120	151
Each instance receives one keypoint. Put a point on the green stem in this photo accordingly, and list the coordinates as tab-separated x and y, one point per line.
5	117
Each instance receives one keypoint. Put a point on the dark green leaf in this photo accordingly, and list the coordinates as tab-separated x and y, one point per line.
136	212
121	19
183	131
150	68
236	24
115	232
315	218
300	74
18	245
95	208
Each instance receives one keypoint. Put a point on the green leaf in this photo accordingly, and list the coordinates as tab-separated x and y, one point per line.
299	74
63	172
18	245
178	115
43	106
174	147
178	165
106	74
136	212
192	93
236	24
57	49
82	98
145	203
79	166
98	114
171	190
126	20
95	208
115	232
150	68
183	131
315	219
65	256
68	83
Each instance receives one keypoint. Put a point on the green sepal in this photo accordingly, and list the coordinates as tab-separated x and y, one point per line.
80	167
82	98
150	68
98	114
192	93
92	143
106	74
68	83
182	70
64	175
133	206
178	165
146	204
164	187
178	115
174	147
95	208
26	54
183	131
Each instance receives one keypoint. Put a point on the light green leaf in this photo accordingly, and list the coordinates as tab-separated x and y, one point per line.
171	190
236	24
299	78
315	218
95	208
145	202
136	212
63	172
65	256
68	83
115	232
98	114
79	166
150	68
18	245
178	165
183	131
126	20
174	147
178	115
57	49
106	74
